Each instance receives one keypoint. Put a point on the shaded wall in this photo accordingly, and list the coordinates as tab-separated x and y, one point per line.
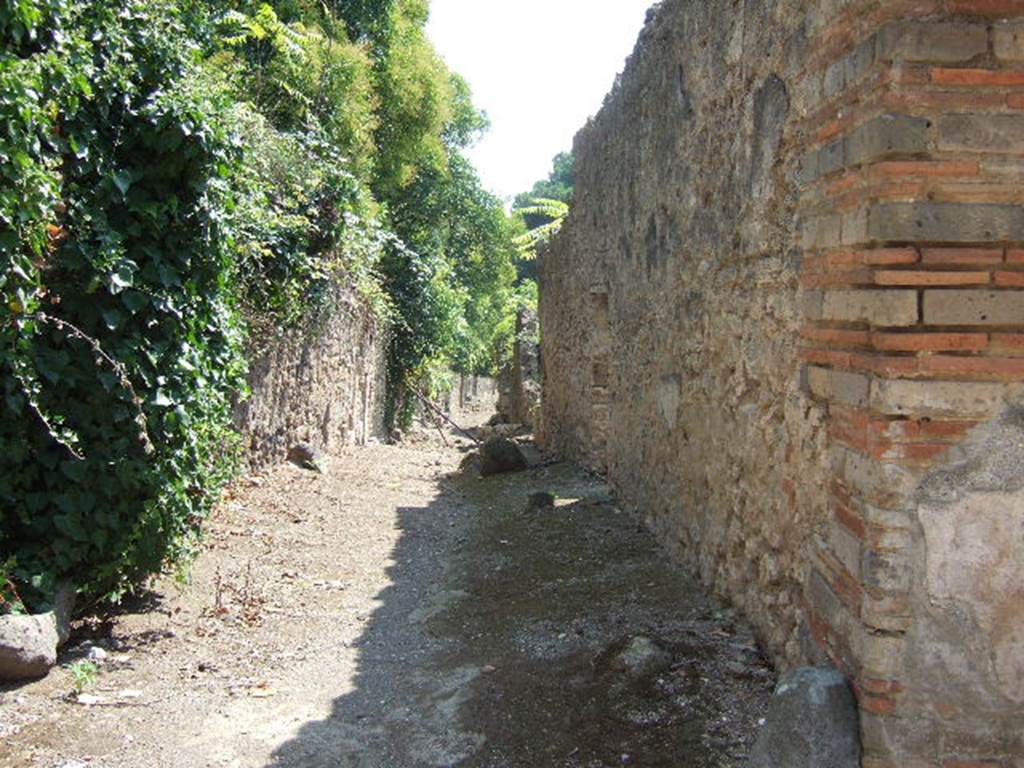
786	309
322	384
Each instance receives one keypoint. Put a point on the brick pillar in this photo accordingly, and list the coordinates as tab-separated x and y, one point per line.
913	239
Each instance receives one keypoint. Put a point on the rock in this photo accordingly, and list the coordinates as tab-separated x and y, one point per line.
305	456
97	654
499	454
28	646
64	610
811	723
642	656
540	500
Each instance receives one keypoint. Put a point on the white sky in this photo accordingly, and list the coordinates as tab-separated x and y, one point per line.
539	68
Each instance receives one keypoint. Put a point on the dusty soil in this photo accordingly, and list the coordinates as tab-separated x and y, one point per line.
397	612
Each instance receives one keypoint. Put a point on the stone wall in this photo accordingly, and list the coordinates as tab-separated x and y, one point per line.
520	381
785	317
322	385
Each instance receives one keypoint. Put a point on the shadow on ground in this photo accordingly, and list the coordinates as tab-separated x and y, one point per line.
554	637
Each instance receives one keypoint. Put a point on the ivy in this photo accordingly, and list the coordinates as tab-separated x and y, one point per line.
120	345
180	181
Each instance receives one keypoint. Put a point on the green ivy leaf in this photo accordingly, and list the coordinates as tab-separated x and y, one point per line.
123	180
112	318
134	300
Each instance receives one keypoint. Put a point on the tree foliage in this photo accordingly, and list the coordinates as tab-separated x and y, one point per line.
543	210
176	177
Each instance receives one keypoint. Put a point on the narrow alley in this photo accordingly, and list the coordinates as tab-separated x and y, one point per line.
399	611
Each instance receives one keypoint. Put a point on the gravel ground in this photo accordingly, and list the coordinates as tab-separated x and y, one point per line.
398	612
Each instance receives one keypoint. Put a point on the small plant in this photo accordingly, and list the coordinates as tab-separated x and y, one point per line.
84	674
10	600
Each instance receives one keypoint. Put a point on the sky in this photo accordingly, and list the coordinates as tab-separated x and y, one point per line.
538	68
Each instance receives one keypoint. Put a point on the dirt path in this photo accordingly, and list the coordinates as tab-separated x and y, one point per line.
396	613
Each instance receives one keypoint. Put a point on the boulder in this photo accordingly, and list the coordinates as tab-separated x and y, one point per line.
500	454
28	645
811	723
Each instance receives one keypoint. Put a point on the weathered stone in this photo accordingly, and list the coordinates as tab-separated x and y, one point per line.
932	42
305	456
64	610
887	135
1009	41
323	384
946	222
981	133
840	386
540	500
811	723
940	398
500	454
878	307
972	514
28	646
790	486
520	388
966	307
641	656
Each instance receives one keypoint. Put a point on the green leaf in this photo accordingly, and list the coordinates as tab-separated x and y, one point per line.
112	318
121	279
74	470
123	180
134	300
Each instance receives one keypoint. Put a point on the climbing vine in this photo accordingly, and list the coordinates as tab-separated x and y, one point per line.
178	182
119	346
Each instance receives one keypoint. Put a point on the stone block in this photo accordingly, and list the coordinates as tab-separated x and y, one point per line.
835	79
879	308
807	169
885	485
897	520
942	42
859	61
887	571
981	133
887	135
821	231
945	222
811	723
811	303
881	656
855	227
888	613
838	386
846	547
1009	41
832	157
967	307
962	399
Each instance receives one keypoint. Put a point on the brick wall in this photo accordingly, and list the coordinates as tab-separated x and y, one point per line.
804	225
911	203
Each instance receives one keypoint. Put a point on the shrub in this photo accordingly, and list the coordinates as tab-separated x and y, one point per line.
119	347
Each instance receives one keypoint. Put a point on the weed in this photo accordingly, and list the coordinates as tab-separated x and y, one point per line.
84	674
